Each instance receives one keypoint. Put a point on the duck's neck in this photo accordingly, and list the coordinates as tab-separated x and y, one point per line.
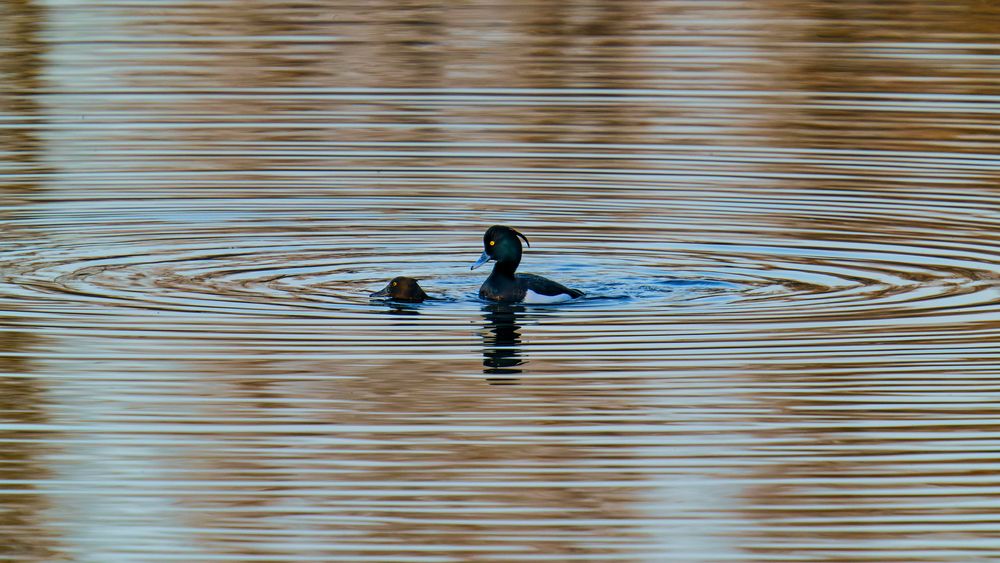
504	269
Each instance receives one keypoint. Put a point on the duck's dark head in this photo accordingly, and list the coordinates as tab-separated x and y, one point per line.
501	243
402	288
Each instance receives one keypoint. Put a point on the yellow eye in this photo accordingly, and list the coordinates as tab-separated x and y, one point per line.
492	242
393	284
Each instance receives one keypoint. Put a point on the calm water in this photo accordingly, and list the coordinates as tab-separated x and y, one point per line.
785	216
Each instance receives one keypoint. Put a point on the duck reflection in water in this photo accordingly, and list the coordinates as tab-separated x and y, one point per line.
501	343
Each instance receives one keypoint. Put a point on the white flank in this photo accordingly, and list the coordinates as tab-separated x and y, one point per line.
532	297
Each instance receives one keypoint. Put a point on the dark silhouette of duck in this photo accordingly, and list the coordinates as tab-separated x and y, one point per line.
403	289
502	244
502	358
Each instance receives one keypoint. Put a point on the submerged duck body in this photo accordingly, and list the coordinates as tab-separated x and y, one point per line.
503	244
402	288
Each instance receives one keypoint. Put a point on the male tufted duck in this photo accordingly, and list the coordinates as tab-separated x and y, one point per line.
403	289
501	244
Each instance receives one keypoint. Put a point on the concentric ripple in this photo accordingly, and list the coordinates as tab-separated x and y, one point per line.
679	256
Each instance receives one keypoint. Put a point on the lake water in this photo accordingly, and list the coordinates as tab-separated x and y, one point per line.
785	215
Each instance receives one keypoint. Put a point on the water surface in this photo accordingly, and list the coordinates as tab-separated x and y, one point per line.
784	215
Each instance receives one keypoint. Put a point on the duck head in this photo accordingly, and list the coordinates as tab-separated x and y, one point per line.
402	288
501	243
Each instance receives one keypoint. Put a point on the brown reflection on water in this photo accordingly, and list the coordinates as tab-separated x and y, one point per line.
21	67
421	455
538	44
873	46
871	461
559	45
605	46
25	532
878	53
